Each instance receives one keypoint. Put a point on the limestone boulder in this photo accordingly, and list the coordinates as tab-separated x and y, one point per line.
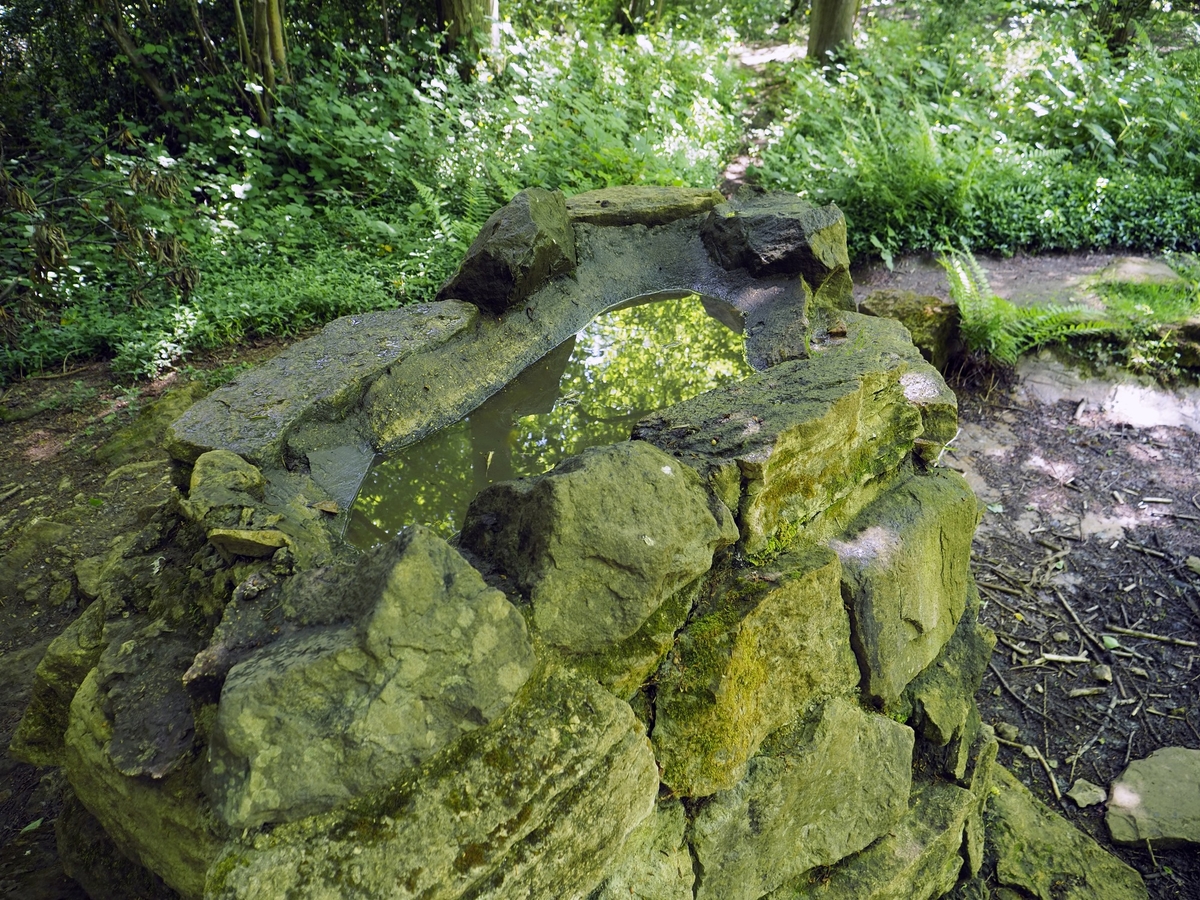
1041	854
89	856
918	859
537	805
39	736
761	648
941	698
654	862
640	205
338	709
905	564
932	321
317	381
165	825
1156	800
785	446
821	792
523	245
600	541
777	234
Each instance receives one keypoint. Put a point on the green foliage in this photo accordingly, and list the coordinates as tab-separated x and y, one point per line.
1003	330
994	131
375	175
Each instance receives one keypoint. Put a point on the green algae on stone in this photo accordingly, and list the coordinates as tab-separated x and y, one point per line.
820	792
536	804
601	541
165	825
1042	854
522	245
808	433
640	204
331	713
918	859
905	564
654	862
756	653
39	736
318	380
624	667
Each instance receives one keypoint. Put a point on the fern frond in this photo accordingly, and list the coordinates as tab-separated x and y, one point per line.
1003	330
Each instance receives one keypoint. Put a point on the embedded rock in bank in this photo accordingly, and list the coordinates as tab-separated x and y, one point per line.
777	234
640	205
536	805
600	541
758	651
1156	800
815	795
905	572
1040	853
918	859
163	824
39	736
784	446
932	321
339	709
654	862
942	696
523	245
317	381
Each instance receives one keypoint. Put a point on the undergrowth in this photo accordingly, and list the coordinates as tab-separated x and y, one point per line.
143	236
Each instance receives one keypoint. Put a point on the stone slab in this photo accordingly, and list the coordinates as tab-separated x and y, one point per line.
1156	800
536	805
814	796
640	205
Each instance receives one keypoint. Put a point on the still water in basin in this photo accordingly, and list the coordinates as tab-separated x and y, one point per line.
589	391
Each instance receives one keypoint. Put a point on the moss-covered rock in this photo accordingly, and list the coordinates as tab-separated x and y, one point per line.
777	234
535	805
90	857
804	435
165	825
145	437
1039	852
654	862
918	859
759	650
905	563
314	381
522	245
932	322
39	736
816	794
640	204
600	541
339	710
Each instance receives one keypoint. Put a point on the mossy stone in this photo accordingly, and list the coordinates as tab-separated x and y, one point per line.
537	804
821	791
906	571
640	204
760	649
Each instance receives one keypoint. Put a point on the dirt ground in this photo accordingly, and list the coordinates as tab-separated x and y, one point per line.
1078	555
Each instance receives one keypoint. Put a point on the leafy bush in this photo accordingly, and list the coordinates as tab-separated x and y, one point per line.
1004	137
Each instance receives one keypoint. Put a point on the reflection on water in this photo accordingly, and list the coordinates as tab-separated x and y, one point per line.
588	391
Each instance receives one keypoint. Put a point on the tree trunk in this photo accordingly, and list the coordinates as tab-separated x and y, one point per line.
461	19
115	28
278	50
831	27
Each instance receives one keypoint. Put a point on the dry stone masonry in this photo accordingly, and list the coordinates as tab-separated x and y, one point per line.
732	658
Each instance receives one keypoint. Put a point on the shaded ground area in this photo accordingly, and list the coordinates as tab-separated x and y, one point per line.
1077	545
